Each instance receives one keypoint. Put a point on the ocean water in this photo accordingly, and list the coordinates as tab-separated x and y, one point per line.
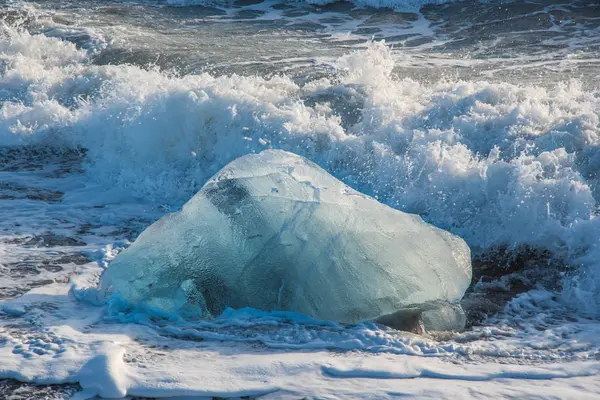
481	116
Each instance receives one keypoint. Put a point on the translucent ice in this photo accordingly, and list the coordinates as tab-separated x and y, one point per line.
274	231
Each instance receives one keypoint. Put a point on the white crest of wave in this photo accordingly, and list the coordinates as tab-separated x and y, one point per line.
493	162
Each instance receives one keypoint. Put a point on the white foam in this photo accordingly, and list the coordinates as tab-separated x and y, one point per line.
73	343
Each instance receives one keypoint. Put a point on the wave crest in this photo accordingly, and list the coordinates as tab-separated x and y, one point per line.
493	162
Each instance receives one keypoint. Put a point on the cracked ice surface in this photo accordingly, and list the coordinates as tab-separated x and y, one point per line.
274	231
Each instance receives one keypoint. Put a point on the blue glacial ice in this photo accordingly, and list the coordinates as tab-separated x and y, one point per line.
274	231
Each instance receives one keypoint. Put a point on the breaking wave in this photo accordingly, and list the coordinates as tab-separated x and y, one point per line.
497	163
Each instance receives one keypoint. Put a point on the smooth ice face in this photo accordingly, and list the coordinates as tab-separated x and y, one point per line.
276	232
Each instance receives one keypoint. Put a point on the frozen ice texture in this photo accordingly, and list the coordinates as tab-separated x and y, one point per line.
274	231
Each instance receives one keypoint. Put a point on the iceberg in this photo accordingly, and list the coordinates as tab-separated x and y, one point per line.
274	231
